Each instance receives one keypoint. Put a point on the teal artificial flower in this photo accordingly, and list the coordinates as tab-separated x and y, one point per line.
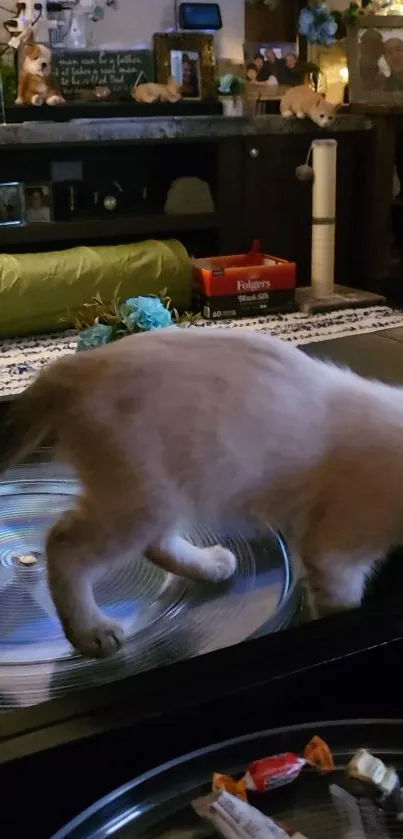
226	83
144	313
230	85
95	336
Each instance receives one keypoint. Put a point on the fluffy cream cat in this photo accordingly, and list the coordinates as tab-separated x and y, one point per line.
180	426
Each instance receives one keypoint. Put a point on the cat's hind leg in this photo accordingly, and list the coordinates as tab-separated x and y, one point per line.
336	581
178	556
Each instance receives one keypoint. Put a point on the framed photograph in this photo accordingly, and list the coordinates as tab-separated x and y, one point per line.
11	204
273	61
190	59
185	69
38	203
375	60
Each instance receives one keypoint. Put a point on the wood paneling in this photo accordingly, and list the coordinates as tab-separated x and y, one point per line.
265	24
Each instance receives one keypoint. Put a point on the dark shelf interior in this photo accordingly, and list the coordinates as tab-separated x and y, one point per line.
139	175
114	227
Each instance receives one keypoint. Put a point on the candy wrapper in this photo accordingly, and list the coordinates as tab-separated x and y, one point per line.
236	819
277	770
262	775
370	778
318	754
224	782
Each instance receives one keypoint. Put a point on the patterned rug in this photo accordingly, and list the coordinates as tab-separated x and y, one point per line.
22	358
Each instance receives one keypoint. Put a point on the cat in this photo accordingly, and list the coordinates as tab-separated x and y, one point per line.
176	426
302	101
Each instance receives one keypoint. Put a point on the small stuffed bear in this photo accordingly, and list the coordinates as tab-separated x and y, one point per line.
152	92
302	101
35	82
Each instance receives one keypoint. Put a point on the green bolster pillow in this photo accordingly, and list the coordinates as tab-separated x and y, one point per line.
42	292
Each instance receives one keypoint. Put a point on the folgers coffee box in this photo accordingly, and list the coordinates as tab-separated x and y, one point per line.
244	285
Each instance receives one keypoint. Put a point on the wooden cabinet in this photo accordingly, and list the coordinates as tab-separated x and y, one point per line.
277	206
252	181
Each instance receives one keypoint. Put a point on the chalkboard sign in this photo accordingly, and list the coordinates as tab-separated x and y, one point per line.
119	70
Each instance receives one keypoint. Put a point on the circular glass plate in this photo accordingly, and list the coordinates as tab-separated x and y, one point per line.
166	618
158	804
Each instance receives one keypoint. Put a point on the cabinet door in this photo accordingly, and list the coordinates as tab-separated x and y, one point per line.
230	194
277	206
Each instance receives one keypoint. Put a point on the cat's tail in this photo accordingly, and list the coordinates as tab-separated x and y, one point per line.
30	418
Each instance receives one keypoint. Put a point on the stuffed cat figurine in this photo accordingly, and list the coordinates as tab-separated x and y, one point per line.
152	92
35	86
302	102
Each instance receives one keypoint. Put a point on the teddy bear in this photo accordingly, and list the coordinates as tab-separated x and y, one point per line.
301	101
35	85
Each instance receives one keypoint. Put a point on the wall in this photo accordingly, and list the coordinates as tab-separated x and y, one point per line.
135	22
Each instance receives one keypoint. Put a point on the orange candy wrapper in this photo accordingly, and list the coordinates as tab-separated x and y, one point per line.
224	782
276	770
318	754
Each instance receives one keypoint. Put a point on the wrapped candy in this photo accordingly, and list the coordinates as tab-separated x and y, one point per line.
318	754
234	818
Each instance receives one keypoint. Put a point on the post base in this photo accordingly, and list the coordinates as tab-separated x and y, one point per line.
343	297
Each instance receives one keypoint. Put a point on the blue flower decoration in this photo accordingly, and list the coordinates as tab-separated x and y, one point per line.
95	336
306	21
318	24
144	313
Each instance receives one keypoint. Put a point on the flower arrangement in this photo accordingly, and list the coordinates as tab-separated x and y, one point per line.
364	7
318	23
230	85
101	323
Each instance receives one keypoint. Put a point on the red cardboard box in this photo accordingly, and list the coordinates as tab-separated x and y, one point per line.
244	285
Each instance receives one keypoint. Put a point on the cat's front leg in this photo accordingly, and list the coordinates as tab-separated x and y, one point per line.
175	554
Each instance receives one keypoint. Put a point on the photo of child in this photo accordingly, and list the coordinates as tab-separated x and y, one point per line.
38	203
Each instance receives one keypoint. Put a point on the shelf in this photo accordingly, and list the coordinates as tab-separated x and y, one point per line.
110	110
80	230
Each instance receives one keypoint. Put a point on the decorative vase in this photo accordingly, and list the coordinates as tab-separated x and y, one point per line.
232	106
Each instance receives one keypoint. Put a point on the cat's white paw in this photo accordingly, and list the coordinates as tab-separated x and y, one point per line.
218	564
99	641
37	100
55	99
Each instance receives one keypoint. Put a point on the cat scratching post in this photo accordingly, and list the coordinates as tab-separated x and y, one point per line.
324	164
323	295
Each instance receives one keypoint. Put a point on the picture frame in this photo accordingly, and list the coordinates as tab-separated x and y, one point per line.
188	57
12	204
271	67
375	60
280	48
38	200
